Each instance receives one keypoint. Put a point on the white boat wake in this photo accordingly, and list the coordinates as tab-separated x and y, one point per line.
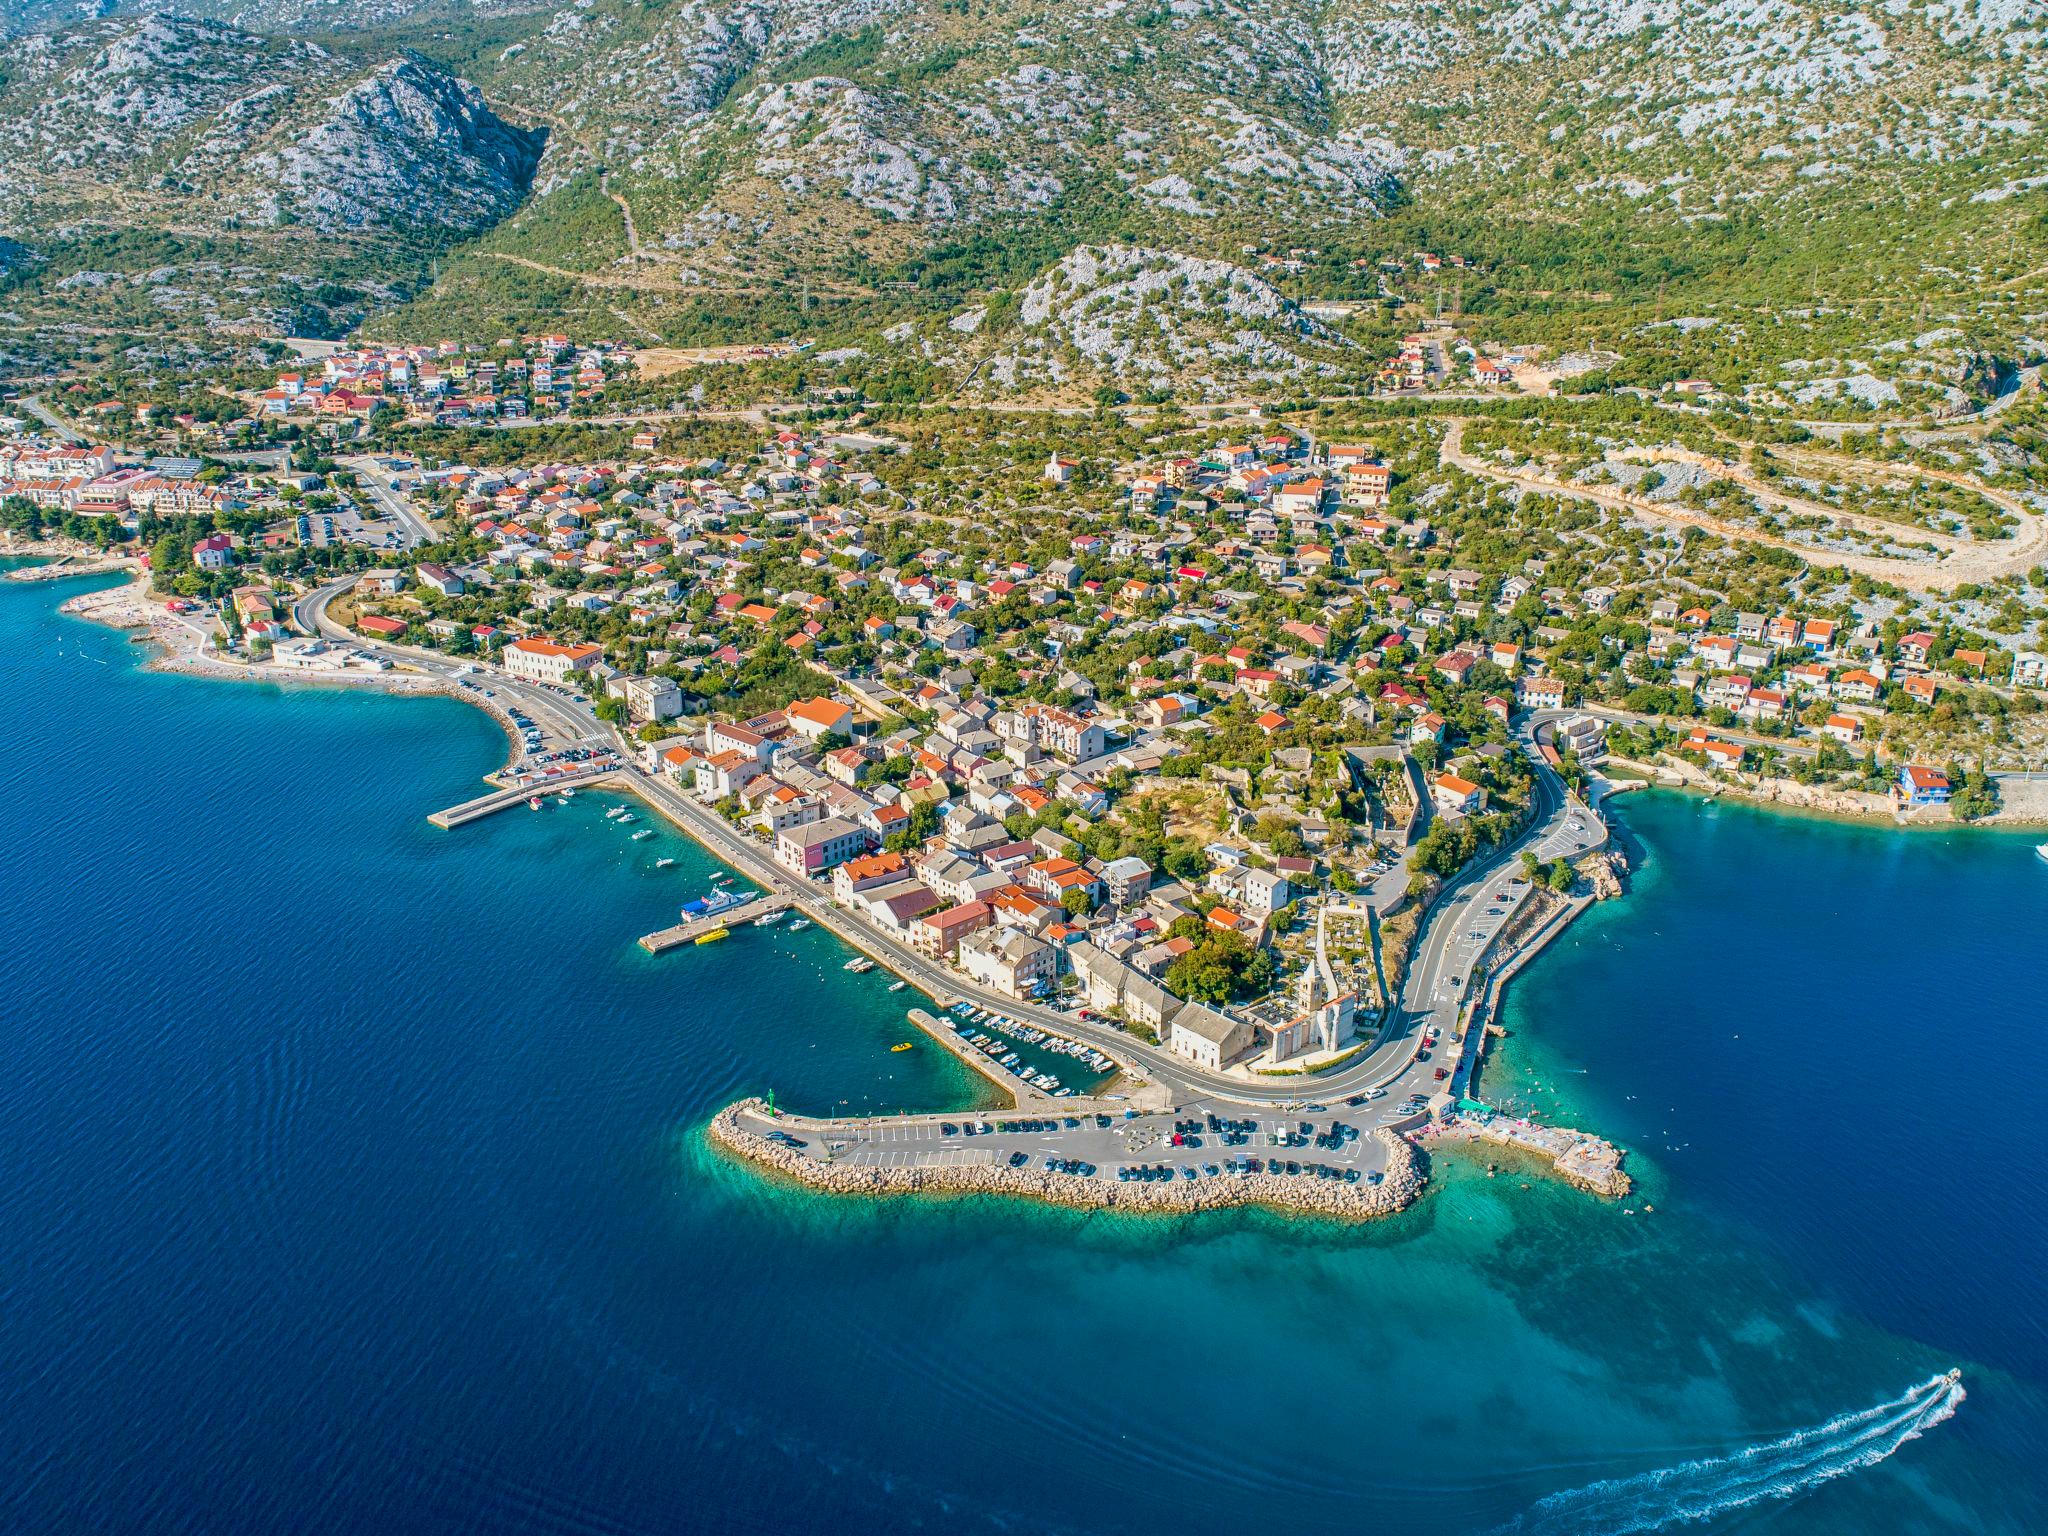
1777	1469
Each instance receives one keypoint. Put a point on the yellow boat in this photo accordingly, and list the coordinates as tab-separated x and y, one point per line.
714	936
903	1047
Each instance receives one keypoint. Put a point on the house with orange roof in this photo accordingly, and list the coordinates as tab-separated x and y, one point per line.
1455	796
818	717
940	933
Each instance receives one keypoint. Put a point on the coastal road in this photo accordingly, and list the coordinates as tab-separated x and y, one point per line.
563	722
1440	978
1469	918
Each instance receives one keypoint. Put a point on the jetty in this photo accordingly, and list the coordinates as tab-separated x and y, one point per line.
731	917
504	799
1020	1093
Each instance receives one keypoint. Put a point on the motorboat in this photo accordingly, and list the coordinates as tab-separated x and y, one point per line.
663	863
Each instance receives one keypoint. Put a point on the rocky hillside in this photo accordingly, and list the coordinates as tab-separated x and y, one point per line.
164	120
752	167
1149	320
20	16
202	175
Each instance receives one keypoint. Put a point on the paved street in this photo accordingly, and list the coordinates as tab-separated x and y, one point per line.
376	483
562	721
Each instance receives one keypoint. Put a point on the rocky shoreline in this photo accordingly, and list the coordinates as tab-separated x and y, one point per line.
1406	1175
1856	806
1581	1159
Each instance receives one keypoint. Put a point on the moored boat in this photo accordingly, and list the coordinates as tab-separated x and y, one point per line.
714	936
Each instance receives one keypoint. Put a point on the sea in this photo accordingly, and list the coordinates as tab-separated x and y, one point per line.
352	1178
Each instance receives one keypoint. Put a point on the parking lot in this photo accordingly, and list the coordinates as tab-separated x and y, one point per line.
1189	1145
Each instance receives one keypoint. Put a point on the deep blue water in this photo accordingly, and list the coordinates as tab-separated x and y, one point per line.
353	1182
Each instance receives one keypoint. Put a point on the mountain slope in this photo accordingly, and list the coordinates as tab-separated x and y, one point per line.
237	177
742	168
167	118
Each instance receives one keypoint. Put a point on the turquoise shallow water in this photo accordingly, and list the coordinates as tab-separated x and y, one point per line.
355	1183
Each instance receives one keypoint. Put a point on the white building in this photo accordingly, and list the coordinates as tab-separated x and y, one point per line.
1012	963
1206	1037
652	698
543	661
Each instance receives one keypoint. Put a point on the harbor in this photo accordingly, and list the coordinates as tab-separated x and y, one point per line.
1056	1067
989	1044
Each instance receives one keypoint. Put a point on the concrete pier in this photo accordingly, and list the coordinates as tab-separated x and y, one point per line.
732	917
504	799
1020	1093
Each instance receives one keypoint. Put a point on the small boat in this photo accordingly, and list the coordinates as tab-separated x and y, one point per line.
799	925
626	816
768	920
2041	851
898	986
562	798
903	1045
860	965
663	863
714	936
643	833
564	794
615	813
533	802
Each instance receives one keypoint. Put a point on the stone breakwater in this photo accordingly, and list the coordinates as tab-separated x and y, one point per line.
1405	1177
1580	1158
